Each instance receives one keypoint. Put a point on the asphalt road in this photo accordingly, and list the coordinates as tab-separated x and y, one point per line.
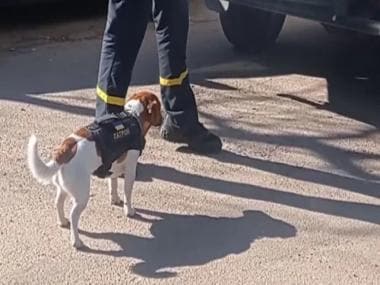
292	199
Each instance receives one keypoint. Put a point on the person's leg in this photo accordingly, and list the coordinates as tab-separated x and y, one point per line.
171	21
181	123
123	35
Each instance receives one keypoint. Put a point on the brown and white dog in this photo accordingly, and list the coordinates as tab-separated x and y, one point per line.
75	160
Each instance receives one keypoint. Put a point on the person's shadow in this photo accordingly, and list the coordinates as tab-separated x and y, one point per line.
186	240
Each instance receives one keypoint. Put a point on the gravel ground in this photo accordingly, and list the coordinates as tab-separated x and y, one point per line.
292	199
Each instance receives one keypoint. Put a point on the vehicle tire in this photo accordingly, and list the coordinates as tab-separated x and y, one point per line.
250	30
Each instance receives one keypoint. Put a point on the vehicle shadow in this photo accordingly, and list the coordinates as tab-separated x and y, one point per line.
350	67
352	75
351	210
349	183
190	240
342	159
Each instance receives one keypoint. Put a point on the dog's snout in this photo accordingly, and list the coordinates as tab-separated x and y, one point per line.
161	120
158	122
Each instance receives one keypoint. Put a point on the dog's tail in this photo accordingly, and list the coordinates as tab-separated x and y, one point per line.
42	171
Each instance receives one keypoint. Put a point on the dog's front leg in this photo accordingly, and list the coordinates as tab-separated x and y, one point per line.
112	186
129	180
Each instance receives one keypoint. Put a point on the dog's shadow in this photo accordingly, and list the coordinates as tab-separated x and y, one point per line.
187	240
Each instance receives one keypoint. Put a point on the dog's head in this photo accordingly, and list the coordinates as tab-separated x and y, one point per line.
148	106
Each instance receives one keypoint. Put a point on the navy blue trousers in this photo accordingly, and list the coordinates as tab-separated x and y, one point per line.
125	29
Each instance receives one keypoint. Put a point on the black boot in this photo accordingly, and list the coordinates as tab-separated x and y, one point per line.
197	137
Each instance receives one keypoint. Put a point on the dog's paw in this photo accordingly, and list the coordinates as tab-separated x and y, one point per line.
77	243
129	212
64	223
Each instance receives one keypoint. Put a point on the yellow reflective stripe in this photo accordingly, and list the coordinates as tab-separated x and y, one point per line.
174	81
109	99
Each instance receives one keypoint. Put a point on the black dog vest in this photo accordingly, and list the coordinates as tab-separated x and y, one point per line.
114	135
